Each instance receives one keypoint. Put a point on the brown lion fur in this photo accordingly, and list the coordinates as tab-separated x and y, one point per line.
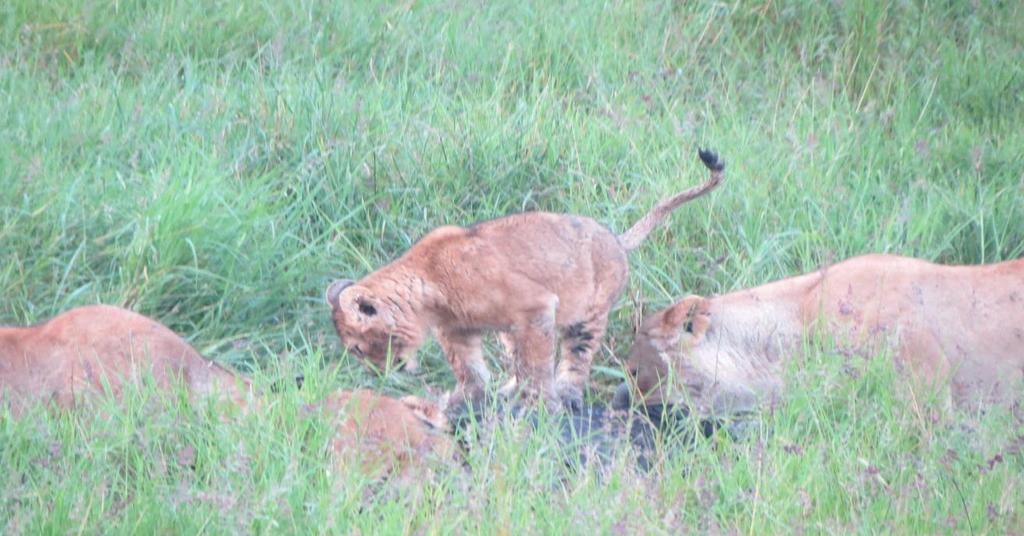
955	326
533	277
81	353
92	348
380	435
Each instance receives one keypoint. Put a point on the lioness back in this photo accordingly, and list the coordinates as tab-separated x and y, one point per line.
964	324
88	348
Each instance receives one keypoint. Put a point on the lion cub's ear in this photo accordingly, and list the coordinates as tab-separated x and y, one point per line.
334	290
689	315
426	411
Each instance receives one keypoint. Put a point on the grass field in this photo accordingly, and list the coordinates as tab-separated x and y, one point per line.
215	164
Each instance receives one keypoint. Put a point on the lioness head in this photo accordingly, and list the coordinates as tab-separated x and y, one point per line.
372	328
710	359
663	345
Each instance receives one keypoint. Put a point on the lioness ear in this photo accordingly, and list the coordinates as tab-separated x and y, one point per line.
689	314
334	290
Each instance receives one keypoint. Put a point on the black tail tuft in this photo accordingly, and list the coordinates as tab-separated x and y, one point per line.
711	160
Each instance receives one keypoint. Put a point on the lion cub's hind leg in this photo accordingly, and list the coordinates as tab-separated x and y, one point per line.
579	342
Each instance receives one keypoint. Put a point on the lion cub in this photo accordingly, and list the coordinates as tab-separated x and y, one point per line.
379	436
533	277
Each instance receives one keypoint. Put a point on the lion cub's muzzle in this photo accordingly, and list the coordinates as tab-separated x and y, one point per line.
392	360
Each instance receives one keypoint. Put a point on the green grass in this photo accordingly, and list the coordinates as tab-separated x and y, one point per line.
215	164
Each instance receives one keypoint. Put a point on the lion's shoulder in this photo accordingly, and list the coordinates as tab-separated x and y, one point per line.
96	322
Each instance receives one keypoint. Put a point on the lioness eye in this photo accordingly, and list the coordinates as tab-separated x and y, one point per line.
688	326
367	309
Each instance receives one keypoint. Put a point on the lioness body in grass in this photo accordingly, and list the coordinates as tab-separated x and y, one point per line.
83	352
96	347
533	277
955	326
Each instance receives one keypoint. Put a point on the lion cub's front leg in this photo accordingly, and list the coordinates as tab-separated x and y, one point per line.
464	351
533	338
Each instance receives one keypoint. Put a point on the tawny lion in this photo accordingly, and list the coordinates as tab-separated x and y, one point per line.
379	435
88	349
531	277
956	326
82	352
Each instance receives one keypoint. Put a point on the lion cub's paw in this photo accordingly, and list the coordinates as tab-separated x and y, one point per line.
571	396
457	406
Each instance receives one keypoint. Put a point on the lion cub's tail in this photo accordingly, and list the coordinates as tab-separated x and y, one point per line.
636	234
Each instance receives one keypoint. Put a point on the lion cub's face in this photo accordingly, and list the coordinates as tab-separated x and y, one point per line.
669	338
368	327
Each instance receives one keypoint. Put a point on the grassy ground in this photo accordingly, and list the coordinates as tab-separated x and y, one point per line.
214	164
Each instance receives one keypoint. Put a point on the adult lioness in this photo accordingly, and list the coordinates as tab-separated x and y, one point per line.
958	324
531	276
88	349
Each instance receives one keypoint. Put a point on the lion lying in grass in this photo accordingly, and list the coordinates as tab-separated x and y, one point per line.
955	326
379	435
83	352
92	348
535	278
